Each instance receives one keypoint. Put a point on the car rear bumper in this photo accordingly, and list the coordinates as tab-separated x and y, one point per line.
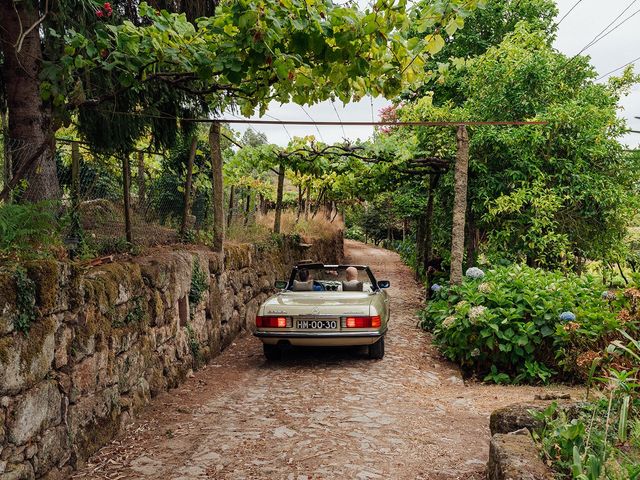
320	339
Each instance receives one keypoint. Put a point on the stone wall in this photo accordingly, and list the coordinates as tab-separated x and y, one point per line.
108	339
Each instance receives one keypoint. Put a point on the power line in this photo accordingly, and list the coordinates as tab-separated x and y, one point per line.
310	118
277	122
567	14
334	123
616	69
598	37
333	104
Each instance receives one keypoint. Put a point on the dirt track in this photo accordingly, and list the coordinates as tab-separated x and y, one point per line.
318	414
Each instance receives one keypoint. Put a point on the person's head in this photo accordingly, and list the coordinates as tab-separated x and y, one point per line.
303	275
352	274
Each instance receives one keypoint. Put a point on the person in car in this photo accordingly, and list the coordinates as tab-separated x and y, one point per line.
352	284
306	283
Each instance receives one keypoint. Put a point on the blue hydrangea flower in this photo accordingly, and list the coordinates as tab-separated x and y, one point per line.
436	288
567	317
474	273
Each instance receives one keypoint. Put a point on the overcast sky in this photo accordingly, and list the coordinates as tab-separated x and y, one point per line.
579	28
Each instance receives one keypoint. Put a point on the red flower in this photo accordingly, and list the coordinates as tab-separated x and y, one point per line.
107	6
99	13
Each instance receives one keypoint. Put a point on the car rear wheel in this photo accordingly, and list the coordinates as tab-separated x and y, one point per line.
376	350
272	352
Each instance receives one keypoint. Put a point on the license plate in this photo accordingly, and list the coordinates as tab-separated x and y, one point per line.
318	324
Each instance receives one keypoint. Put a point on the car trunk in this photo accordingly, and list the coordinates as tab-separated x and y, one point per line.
318	304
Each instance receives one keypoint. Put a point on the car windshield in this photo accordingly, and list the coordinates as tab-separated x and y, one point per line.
341	278
329	274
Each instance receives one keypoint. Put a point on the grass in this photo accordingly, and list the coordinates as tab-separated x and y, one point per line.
318	227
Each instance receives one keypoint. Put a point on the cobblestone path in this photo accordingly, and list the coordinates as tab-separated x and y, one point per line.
318	414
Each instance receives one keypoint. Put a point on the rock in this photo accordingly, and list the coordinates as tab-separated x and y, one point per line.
515	457
23	471
553	396
517	416
6	323
514	417
88	375
31	451
250	314
37	408
53	449
283	432
63	339
26	359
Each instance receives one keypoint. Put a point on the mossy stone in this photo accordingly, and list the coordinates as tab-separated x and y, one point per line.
45	273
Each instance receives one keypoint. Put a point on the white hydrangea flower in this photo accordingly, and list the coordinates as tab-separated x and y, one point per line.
475	352
476	312
474	273
484	287
449	322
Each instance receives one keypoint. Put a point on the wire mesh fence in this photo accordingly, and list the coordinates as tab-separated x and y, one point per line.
99	204
102	203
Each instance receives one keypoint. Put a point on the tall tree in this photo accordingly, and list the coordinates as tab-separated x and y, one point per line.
126	78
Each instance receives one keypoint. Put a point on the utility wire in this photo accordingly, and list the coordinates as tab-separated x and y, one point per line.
279	122
316	125
616	69
600	35
276	121
567	14
344	133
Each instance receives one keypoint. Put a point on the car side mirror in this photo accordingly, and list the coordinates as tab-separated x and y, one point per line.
281	284
384	283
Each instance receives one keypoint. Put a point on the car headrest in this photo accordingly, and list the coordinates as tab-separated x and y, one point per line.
299	286
352	286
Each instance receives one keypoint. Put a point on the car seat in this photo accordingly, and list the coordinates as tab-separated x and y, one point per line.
299	286
352	286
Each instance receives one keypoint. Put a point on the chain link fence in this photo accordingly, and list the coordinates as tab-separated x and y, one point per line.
104	203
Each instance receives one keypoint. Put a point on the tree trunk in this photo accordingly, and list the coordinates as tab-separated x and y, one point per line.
142	190
307	203
319	202
428	232
247	207
126	182
232	194
187	186
300	192
261	207
420	223
31	136
6	164
459	205
278	216
217	187
471	239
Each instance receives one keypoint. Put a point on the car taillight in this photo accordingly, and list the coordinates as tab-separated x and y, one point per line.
362	322
272	322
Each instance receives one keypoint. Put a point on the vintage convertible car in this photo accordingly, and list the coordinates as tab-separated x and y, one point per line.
325	305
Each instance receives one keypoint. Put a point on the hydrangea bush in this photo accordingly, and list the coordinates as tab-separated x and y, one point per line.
520	324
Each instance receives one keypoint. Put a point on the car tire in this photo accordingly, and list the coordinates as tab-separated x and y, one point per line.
376	350
272	352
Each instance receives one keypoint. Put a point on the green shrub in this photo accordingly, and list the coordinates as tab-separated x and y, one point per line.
603	441
26	310
506	325
29	229
355	232
199	284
